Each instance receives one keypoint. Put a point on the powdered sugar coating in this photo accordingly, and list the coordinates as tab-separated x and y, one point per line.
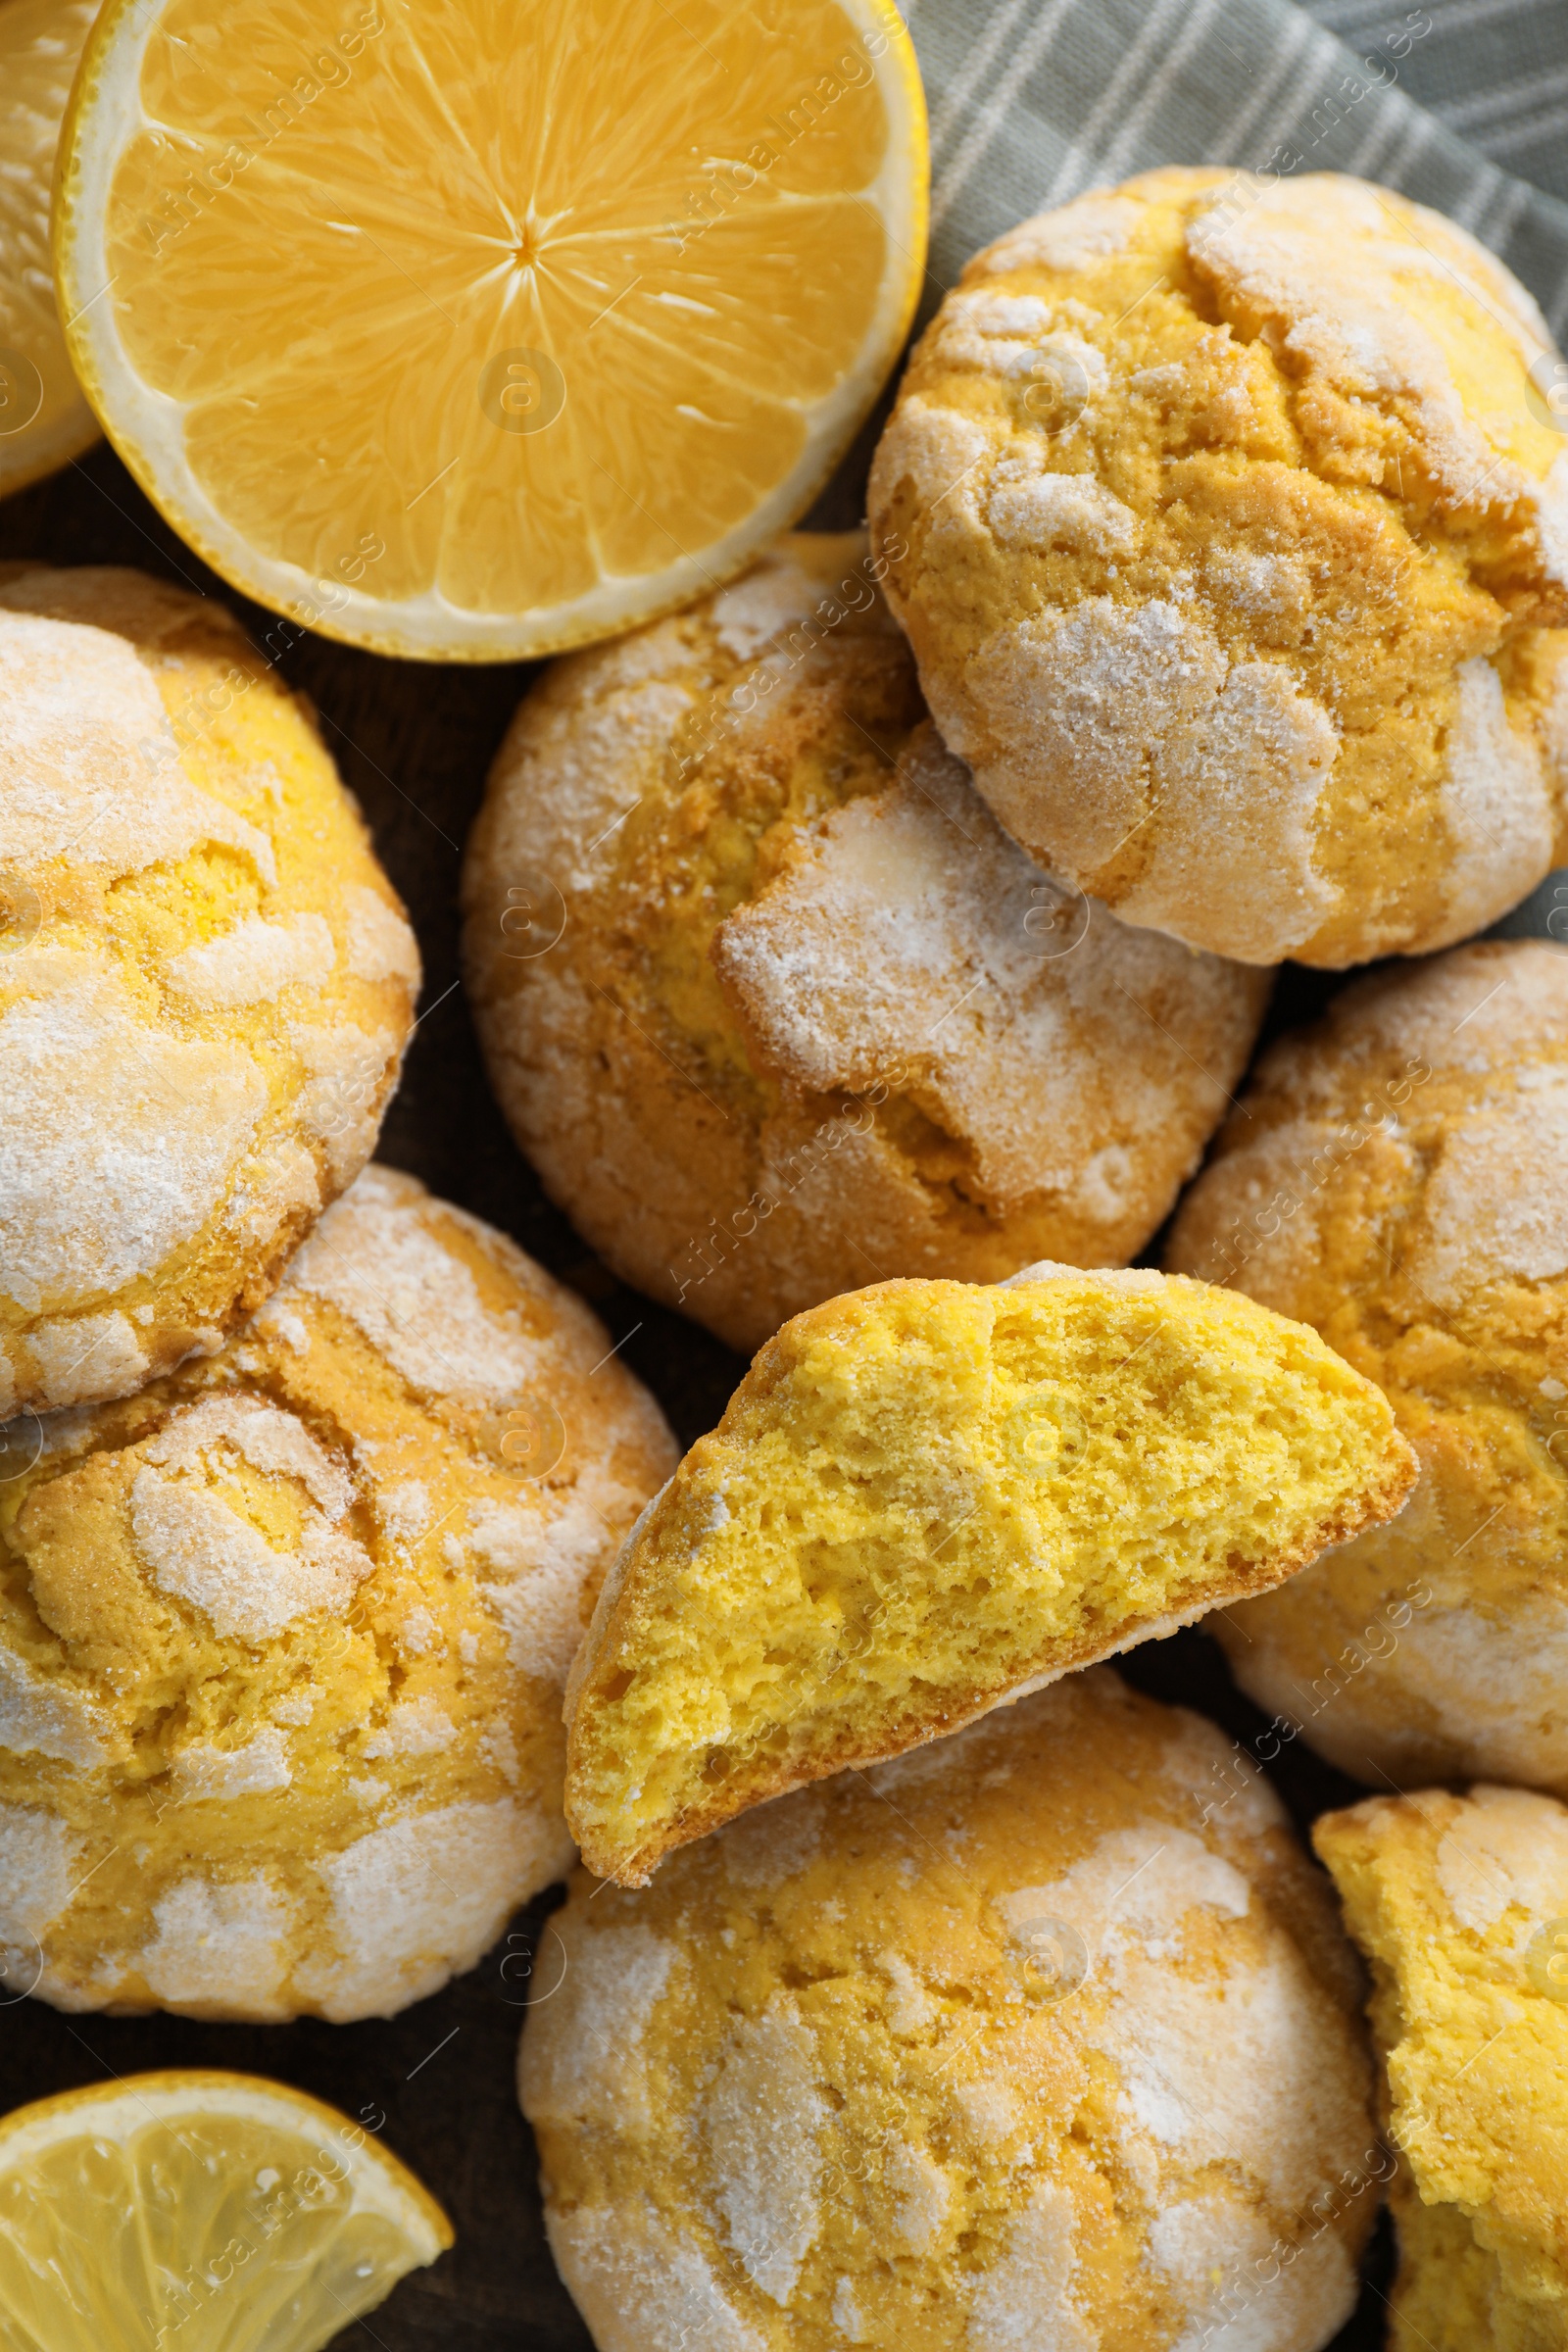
1125	713
381	947
1504	1847
1039	511
220	1948
391	1276
85	1209
418	1901
269	1438
1498	800
1494	1205
39	1718
910	930
761	2120
1195	667
182	865
642	2288
841	1025
1395	1179
89	767
1028	2298
590	2074
1223	2258
204	1773
324	1764
532	1561
846	2089
1134	1900
39	1856
257	961
340	1105
79	1357
198	1543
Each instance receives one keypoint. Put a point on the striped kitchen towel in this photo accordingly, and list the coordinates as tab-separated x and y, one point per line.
1032	101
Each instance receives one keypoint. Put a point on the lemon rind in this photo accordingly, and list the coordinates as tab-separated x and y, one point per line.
383	2184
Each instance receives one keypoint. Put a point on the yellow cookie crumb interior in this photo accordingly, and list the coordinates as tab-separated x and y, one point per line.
1445	1895
928	1493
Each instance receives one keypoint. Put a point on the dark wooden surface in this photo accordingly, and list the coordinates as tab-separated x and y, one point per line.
414	742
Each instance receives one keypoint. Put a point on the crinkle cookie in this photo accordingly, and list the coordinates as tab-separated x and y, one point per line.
284	1638
206	981
927	1499
1231	534
1460	1905
1011	2044
773	1004
1399	1178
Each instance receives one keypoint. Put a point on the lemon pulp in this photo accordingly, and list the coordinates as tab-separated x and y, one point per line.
482	325
193	2212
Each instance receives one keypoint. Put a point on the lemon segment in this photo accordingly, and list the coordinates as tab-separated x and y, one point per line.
44	421
208	2212
484	329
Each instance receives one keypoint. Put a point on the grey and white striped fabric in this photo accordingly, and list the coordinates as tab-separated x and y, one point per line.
1034	100
1494	71
1462	105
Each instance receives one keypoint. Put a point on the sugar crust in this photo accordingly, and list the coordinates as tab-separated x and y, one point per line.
1395	1177
1235	563
809	1016
284	1638
205	990
813	2086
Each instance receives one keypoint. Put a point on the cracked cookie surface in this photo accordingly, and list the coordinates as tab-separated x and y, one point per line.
283	1639
775	1005
1231	536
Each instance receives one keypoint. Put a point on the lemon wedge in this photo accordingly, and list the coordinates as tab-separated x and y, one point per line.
482	327
185	2212
43	416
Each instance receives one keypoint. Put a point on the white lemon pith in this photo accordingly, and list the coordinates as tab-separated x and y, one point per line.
43	418
513	353
203	2209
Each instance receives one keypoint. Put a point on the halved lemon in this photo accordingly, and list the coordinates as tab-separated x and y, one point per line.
187	2212
43	416
474	328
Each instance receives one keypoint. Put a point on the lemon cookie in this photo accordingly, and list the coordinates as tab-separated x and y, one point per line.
206	981
1460	1905
1397	1178
1007	2043
1231	532
776	1008
928	1497
284	1638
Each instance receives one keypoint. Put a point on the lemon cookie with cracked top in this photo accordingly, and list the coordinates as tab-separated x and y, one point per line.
284	1638
1018	2041
775	1007
1395	1178
1460	1905
1233	535
206	981
929	1498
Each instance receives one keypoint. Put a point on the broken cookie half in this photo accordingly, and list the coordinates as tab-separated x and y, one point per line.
928	1497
